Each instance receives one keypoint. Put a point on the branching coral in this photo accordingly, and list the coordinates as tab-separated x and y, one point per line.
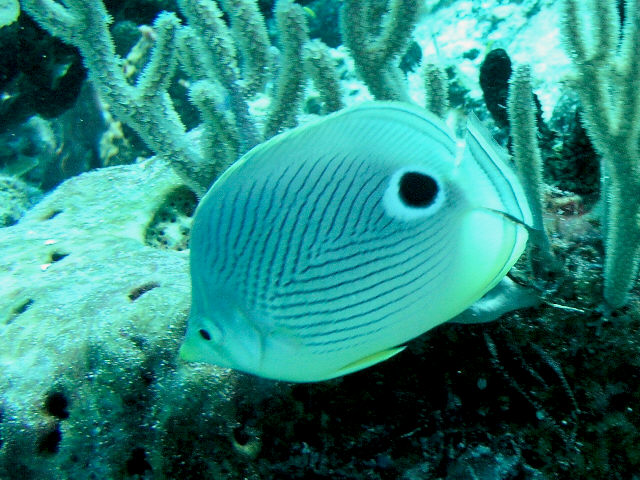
607	82
377	34
226	67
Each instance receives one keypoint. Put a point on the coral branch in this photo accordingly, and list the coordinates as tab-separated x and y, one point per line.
607	82
376	43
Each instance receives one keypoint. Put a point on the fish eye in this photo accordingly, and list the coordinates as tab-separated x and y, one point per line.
204	334
417	189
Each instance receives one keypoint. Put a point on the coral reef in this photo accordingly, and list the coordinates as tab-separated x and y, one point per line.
607	83
221	60
39	74
16	197
90	384
9	12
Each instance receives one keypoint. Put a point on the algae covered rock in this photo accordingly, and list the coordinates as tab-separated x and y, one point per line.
15	197
9	12
91	317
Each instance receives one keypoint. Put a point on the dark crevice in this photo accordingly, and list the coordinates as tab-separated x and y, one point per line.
56	405
23	307
137	463
54	213
241	436
19	310
57	256
141	290
49	443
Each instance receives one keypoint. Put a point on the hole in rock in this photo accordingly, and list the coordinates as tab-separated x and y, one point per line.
52	214
137	463
57	256
56	405
141	290
49	443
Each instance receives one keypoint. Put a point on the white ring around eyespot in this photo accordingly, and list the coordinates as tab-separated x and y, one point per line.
396	208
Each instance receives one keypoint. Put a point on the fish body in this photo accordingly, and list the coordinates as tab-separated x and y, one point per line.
323	250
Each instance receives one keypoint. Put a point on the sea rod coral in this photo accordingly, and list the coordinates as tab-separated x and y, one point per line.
607	82
220	85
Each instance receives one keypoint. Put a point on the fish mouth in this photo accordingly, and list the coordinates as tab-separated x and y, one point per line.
188	353
202	341
194	351
235	342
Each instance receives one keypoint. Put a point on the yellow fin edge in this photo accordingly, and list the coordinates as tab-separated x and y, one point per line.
369	360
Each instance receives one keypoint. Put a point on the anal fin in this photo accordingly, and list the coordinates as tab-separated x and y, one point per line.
369	360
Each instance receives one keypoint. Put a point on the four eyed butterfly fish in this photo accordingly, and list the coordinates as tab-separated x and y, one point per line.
323	250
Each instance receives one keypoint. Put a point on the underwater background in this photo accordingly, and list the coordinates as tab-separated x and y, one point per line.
115	118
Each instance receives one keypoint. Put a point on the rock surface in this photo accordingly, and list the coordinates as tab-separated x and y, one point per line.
91	317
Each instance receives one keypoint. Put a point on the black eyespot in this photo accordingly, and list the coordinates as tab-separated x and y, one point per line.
417	189
204	334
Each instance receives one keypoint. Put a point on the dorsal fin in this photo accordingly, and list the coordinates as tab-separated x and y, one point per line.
492	161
